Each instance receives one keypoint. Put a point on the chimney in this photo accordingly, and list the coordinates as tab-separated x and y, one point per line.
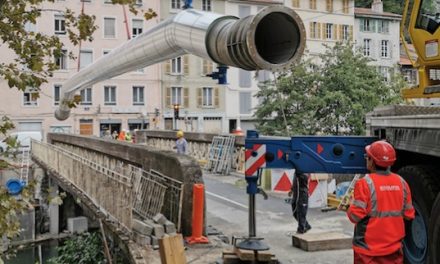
377	6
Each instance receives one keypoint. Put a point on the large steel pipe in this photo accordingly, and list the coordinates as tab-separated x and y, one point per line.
271	40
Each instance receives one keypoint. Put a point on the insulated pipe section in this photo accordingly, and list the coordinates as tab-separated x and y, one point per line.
271	40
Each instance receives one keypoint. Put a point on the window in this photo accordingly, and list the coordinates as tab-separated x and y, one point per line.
312	4
345	31
176	65
30	27
175	4
60	26
383	26
56	94
61	60
367	47
346	6
385	48
86	1
138	95
30	97
86	96
244	78
139	2
329	6
385	72
329	31
86	58
137	27
109	27
207	96
176	95
244	11
109	95
366	25
245	103
295	3
206	5
314	30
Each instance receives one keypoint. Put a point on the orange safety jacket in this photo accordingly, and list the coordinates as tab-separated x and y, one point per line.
381	202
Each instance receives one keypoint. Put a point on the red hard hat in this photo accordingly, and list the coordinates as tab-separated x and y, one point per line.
382	153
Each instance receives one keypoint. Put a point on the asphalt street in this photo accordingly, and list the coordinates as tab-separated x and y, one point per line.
227	211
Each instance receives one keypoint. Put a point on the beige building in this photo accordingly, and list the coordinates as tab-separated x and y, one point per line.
125	102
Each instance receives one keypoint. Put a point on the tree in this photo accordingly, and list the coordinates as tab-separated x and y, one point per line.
285	111
331	97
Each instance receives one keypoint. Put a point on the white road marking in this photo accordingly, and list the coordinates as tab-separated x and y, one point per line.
231	201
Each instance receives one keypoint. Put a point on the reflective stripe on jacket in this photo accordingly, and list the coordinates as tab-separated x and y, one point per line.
379	206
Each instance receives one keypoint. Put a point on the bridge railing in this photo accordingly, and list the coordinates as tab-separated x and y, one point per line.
109	190
198	145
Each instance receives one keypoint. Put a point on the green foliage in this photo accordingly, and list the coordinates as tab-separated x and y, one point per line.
331	97
393	6
86	249
10	208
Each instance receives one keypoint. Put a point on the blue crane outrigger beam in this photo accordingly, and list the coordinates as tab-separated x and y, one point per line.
311	154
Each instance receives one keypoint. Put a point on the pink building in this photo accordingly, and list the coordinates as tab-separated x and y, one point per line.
125	102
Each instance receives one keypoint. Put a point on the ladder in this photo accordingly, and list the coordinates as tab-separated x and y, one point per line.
345	200
24	168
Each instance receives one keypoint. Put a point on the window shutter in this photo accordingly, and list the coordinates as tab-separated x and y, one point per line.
199	97
350	32
168	67
335	29
216	97
324	28
186	64
340	31
168	97
185	97
311	30
319	31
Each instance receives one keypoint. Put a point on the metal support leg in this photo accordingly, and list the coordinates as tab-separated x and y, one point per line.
252	242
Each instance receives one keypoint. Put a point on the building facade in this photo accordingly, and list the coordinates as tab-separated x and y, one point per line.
377	35
125	102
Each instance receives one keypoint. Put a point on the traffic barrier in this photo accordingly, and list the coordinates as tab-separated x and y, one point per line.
197	217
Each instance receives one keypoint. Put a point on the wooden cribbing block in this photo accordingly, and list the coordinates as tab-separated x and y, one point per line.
244	254
171	250
322	241
264	256
229	257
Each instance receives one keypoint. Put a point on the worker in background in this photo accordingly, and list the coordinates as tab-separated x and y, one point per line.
181	143
115	134
128	137
238	132
121	136
300	200
381	203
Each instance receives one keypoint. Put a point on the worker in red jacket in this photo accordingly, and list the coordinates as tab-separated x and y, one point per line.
381	203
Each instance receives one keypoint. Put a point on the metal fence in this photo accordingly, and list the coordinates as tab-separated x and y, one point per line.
107	189
157	193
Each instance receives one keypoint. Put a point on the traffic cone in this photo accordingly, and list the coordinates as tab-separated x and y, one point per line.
197	216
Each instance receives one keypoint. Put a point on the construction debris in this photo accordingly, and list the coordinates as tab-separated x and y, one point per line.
149	231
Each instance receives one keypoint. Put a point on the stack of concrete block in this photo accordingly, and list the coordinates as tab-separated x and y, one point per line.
148	232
